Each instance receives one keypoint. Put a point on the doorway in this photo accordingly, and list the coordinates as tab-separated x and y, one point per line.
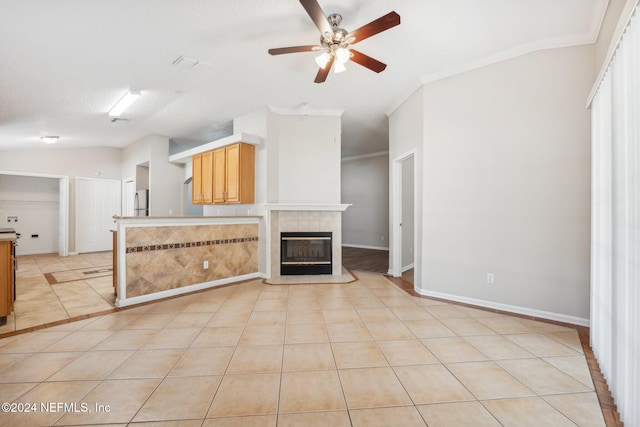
97	201
403	250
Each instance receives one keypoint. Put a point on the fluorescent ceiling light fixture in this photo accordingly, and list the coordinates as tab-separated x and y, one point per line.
49	139
124	103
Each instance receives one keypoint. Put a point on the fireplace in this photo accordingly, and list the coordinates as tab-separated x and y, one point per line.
305	253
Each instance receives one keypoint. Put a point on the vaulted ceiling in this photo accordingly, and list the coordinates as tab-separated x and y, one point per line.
64	63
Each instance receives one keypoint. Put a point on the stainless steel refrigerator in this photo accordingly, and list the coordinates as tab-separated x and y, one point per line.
141	203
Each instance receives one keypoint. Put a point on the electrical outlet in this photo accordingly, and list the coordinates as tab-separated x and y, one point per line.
205	265
12	219
490	278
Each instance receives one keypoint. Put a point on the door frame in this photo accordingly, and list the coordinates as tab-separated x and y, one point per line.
63	206
82	178
395	265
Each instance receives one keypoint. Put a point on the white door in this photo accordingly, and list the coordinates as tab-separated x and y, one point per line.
97	201
128	208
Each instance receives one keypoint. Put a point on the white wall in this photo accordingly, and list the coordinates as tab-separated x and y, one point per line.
165	179
90	162
406	135
307	158
365	185
408	212
506	184
34	200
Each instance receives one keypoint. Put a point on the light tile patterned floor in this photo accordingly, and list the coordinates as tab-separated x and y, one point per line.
359	354
38	302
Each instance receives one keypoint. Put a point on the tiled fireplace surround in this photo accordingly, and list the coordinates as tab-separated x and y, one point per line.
305	220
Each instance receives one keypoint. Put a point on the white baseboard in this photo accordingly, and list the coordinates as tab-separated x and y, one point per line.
378	248
407	267
558	317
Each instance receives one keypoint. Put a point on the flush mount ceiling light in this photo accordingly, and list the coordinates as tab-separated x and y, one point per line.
49	139
124	102
335	42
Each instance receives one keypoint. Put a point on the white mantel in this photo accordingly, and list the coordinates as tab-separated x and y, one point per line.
306	207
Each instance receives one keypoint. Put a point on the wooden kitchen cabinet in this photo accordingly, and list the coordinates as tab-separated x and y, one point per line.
7	272
234	174
224	176
202	179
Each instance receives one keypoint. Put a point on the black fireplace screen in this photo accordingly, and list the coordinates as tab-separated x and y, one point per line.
305	253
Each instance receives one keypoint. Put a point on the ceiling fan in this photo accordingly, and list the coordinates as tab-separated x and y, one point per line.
335	42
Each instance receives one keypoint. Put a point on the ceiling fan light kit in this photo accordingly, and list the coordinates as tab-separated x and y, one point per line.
336	42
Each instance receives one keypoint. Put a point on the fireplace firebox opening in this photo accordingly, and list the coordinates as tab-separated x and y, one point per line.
304	253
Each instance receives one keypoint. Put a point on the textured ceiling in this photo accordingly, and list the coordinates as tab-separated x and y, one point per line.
64	63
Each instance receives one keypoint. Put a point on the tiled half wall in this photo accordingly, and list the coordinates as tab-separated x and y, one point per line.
160	258
285	221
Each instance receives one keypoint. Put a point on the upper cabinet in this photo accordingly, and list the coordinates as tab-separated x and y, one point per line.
225	175
202	183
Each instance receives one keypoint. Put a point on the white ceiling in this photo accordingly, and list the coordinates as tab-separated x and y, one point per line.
64	63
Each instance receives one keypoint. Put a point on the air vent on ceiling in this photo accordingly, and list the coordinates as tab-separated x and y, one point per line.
189	62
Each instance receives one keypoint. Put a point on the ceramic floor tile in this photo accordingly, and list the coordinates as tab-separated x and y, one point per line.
95	365
376	314
147	364
431	384
218	337
372	387
343	332
567	338
79	341
203	361
310	392
180	398
541	345
172	338
308	357
406	352
46	397
300	333
467	326
251	394
256	359
305	316
453	349
250	421
517	413
189	320
445	312
341	316
457	414
315	419
486	380
406	416
30	343
497	347
262	335
358	355
575	366
541	377
413	312
430	328
581	408
505	324
267	318
382	331
124	397
126	340
150	321
37	367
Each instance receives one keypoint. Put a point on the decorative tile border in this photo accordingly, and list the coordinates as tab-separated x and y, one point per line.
166	246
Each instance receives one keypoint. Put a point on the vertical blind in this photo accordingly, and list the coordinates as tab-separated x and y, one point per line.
615	224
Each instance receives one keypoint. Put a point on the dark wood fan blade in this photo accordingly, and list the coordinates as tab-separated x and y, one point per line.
292	49
317	16
324	72
367	61
381	24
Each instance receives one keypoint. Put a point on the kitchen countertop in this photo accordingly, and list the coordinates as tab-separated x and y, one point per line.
8	236
183	217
